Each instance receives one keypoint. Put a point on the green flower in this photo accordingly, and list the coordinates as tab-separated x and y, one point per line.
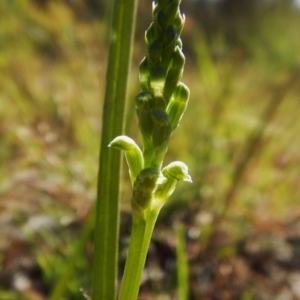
133	154
174	172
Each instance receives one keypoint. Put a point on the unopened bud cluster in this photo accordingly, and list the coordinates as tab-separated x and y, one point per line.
163	100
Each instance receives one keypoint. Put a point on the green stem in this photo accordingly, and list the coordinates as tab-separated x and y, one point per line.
138	248
148	153
107	208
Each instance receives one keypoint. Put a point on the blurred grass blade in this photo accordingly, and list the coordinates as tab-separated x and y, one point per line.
107	208
182	264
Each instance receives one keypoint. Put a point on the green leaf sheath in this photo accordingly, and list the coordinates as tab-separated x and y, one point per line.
107	206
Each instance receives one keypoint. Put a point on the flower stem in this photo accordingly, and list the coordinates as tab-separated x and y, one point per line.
139	243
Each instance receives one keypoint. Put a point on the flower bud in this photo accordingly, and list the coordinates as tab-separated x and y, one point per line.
169	44
170	36
174	73
172	11
162	19
160	137
157	81
178	104
162	127
144	103
154	53
158	29
162	4
144	187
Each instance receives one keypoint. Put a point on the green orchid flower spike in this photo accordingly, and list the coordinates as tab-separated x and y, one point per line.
159	108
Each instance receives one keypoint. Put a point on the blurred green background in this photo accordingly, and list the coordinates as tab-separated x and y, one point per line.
239	137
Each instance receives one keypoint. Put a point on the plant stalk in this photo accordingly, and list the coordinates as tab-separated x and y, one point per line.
138	248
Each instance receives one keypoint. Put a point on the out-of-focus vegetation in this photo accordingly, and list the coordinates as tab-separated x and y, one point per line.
240	138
